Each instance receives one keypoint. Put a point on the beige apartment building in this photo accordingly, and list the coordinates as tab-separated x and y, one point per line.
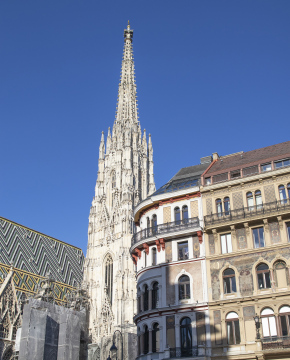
246	210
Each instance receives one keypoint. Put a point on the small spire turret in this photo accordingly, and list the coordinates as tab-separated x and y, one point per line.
102	147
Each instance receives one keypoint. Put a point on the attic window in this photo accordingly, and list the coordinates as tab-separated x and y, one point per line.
266	167
281	163
235	174
207	181
220	178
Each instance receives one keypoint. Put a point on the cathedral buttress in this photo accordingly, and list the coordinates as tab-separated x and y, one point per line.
125	177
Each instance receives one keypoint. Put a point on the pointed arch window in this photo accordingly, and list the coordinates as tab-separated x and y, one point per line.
109	277
263	275
281	272
185	336
154	223
184	287
229	281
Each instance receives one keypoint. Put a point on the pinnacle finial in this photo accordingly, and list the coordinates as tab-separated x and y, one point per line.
128	25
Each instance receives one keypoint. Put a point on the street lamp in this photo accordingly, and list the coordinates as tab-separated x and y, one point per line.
257	324
114	348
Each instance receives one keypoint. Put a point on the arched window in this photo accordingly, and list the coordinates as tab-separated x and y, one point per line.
155	295
8	355
154	256
263	275
250	200
185	336
229	281
177	215
145	258
281	274
288	189
227	205
139	341
282	194
155	338
233	328
219	207
184	214
146	297
268	319
148	222
258	199
154	223
139	300
146	340
184	287
284	317
109	277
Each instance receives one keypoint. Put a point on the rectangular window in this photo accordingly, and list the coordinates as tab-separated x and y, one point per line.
235	174
266	167
219	178
251	170
281	163
258	236
288	230
183	251
226	243
207	181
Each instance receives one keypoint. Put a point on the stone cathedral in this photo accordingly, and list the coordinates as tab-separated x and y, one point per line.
125	177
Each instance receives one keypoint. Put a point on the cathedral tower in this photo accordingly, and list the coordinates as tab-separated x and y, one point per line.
125	177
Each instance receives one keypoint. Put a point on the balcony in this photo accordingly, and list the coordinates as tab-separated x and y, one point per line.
276	342
278	206
183	353
162	229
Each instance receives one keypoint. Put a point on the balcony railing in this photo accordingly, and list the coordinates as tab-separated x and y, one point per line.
165	228
247	212
276	342
183	353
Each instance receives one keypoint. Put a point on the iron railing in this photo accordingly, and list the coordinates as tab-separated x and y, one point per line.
180	352
275	342
165	228
247	212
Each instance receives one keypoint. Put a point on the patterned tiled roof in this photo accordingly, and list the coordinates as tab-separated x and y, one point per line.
27	283
38	254
253	157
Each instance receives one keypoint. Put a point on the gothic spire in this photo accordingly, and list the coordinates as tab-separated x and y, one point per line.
127	112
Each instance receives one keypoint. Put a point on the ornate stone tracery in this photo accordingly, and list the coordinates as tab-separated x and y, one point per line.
125	177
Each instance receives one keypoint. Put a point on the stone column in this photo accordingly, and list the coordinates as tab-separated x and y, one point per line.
141	343
177	335
150	298
150	341
142	301
193	329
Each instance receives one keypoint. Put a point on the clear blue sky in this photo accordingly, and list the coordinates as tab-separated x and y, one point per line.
212	75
